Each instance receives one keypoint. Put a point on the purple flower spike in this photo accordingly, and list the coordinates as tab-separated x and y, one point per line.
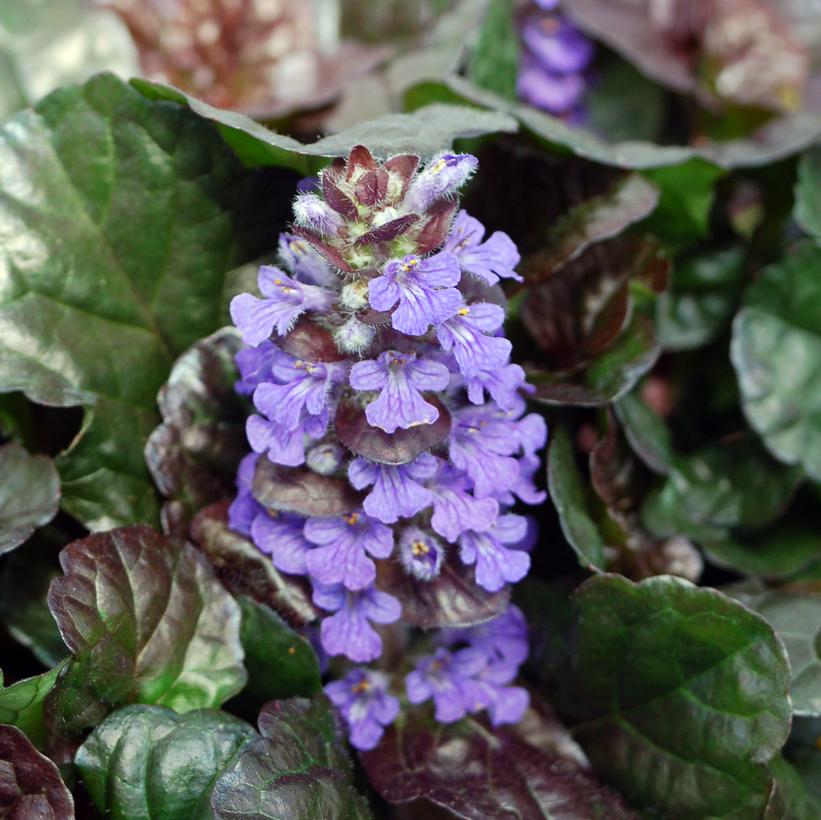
349	632
466	335
303	387
284	446
286	300
490	261
344	544
304	262
556	45
280	536
399	377
362	698
244	508
396	491
455	510
481	445
497	565
421	554
424	289
449	678
442	176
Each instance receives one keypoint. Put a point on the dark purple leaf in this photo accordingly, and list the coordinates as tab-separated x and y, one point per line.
373	187
525	773
435	230
390	230
614	472
244	570
452	599
30	784
400	447
29	494
300	490
360	157
339	201
311	342
330	253
405	166
146	620
193	455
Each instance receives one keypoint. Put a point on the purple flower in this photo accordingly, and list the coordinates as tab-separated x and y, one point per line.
442	176
362	698
314	213
286	300
344	544
254	365
550	92
397	492
466	335
421	554
502	383
349	632
503	639
481	444
302	387
455	510
556	45
491	260
399	377
304	262
449	678
285	447
325	458
524	487
423	288
531	433
244	508
280	536
496	564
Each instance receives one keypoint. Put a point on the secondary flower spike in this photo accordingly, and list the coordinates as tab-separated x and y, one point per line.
390	432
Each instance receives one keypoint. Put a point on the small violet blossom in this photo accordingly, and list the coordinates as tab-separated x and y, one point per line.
491	260
280	535
399	377
424	289
421	554
362	698
467	334
497	564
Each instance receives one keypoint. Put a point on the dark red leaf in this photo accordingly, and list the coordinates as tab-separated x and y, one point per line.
311	342
390	230
339	201
373	187
453	599
360	157
30	784
405	166
400	447
435	230
300	490
322	247
244	570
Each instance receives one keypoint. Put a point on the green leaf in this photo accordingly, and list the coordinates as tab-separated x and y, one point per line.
808	193
29	494
570	496
147	621
796	618
149	763
687	193
494	61
21	704
776	351
30	784
298	770
722	487
647	433
702	299
423	132
622	104
115	252
793	801
777	551
25	577
679	695
280	663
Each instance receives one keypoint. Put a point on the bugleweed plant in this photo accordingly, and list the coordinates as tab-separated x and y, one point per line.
462	462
